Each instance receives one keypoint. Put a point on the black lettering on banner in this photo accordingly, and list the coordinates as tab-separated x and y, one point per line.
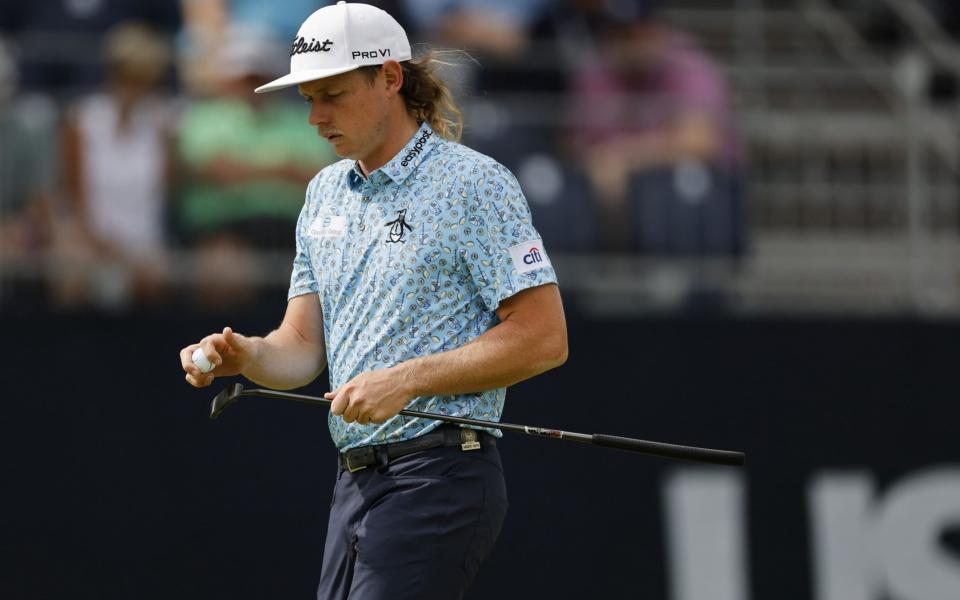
301	46
417	148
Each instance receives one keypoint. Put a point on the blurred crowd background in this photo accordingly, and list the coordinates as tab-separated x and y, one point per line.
688	163
685	155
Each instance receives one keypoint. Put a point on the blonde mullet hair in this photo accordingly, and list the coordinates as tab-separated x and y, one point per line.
427	96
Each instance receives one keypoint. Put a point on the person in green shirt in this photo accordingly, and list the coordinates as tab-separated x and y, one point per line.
243	160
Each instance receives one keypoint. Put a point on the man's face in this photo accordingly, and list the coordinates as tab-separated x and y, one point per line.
349	111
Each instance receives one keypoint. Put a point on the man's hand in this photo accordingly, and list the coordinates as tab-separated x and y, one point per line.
371	397
229	352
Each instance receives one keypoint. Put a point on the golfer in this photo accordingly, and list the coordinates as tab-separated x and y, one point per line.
421	283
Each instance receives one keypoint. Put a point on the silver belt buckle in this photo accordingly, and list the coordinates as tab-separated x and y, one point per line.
470	440
354	469
364	453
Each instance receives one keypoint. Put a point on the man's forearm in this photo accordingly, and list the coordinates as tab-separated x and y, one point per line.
284	360
502	356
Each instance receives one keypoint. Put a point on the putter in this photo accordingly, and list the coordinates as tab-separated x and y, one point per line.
230	395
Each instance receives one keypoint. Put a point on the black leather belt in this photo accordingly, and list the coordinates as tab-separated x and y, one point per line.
447	435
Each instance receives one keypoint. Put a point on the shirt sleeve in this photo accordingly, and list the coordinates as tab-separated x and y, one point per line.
302	279
502	250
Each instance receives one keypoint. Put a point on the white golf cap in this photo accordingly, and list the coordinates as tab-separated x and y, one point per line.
340	38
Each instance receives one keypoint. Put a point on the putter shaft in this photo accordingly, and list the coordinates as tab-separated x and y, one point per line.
674	451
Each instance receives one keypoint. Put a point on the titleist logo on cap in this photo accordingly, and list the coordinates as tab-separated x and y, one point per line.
339	38
300	46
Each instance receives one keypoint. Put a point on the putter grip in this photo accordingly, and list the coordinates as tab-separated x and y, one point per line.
707	455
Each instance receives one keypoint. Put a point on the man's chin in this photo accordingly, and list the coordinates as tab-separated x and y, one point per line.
347	155
341	150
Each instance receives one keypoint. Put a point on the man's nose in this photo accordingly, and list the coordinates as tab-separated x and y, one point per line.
319	115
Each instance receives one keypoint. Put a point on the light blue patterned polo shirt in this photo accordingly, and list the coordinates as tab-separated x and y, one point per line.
414	260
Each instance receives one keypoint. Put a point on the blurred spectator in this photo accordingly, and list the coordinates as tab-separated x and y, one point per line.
206	23
560	35
498	27
60	39
116	149
521	45
651	122
26	167
495	32
245	160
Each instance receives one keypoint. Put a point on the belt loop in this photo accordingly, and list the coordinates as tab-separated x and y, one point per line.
469	439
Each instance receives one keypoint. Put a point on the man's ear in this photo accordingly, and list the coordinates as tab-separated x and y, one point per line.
393	77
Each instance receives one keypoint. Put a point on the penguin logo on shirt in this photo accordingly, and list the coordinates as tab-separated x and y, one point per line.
396	227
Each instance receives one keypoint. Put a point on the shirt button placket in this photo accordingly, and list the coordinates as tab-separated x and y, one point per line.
366	201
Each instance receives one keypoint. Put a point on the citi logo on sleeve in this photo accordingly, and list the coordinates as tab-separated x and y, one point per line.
533	256
301	46
529	256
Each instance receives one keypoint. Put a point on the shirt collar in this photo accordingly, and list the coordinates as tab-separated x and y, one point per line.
404	162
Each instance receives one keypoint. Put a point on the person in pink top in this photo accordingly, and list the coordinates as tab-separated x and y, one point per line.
651	102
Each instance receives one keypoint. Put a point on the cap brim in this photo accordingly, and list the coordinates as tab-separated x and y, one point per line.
302	77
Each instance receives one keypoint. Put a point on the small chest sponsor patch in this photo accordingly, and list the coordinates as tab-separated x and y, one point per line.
329	226
529	256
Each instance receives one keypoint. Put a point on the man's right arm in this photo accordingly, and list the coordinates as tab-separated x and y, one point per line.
289	357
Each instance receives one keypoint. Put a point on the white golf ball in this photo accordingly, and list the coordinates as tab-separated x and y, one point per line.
200	360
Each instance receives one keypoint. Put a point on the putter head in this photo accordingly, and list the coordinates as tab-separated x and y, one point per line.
224	399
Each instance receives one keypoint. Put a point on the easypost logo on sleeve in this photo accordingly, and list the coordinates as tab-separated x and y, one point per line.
529	256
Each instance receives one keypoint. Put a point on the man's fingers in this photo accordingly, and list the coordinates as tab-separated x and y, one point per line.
211	352
199	380
339	403
351	413
230	338
352	409
216	348
186	362
235	342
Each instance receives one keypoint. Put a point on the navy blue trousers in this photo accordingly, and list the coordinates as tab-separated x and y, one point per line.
414	528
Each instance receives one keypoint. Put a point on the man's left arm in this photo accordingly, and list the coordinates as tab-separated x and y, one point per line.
531	338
